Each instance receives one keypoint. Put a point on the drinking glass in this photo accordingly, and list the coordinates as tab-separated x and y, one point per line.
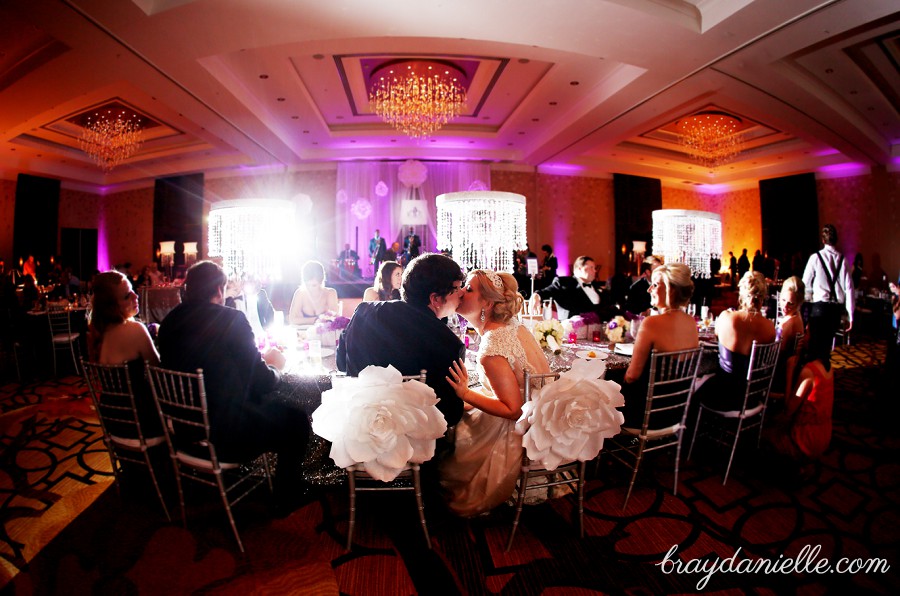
315	353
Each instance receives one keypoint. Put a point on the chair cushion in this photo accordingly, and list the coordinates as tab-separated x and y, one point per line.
737	413
654	433
135	443
201	463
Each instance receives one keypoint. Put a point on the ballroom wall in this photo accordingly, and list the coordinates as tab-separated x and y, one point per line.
7	219
573	214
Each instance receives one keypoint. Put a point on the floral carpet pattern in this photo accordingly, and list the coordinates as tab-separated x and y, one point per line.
847	506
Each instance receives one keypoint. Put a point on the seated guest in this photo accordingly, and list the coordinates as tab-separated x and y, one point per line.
481	472
254	302
409	333
576	295
387	283
803	429
737	330
202	333
789	326
312	298
638	298
114	337
670	330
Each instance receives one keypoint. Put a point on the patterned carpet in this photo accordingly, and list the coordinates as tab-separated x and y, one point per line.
847	506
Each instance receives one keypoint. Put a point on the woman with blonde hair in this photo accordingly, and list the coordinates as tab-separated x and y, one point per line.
670	330
387	283
737	330
482	471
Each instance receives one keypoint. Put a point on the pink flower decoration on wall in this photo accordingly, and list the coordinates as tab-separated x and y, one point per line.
477	185
341	196
412	173
381	189
361	208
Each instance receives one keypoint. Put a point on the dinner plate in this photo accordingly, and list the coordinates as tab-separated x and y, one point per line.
625	349
598	355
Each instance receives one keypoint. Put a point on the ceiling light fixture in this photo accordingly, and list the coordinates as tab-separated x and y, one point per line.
712	138
111	136
481	228
417	97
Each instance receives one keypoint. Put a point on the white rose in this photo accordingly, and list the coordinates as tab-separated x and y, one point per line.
568	419
379	421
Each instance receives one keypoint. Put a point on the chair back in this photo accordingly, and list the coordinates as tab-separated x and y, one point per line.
113	397
798	339
181	400
60	325
763	360
670	387
537	381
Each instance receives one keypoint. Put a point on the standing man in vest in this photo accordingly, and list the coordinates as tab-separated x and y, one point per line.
828	286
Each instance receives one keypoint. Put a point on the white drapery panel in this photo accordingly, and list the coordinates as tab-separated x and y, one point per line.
369	196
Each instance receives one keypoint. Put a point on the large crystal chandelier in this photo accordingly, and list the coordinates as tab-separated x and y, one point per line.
111	136
482	228
712	138
417	98
689	237
253	236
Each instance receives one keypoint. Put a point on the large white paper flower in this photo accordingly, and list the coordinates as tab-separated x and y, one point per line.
568	419
379	421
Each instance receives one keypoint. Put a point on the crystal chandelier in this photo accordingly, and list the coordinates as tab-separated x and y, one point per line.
689	237
254	236
712	138
481	229
417	98
111	136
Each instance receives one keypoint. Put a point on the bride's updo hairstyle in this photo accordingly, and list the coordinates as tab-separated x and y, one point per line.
505	294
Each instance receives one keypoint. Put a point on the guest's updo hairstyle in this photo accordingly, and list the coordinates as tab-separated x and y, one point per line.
507	300
313	270
678	282
752	290
106	309
795	286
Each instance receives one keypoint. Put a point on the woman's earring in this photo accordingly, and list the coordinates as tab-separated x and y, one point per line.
482	315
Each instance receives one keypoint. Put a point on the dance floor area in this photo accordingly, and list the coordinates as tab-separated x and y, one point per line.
67	530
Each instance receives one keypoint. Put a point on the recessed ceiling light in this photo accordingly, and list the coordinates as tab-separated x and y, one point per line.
393	140
574	83
553	103
434	140
471	142
854	92
264	76
871	108
509	144
485	117
318	56
829	70
339	117
306	132
535	119
352	140
315	142
524	60
521	132
295	117
280	99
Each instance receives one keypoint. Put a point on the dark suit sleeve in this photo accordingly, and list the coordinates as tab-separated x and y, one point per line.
243	344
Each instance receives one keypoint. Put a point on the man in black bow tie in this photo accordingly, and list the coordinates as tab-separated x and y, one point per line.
578	294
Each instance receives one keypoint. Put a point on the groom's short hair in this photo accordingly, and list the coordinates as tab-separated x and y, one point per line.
428	274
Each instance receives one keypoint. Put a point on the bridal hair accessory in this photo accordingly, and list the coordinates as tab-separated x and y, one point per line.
495	279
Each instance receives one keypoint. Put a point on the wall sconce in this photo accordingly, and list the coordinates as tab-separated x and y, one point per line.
167	256
190	253
638	250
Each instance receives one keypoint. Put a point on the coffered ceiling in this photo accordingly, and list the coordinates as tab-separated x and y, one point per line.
588	87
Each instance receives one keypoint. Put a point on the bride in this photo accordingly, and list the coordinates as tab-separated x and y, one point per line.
482	471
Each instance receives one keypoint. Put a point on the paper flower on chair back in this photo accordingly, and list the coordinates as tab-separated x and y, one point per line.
568	419
379	421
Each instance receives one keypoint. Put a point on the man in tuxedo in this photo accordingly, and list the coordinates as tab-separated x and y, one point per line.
254	302
411	333
638	300
377	248
245	421
578	294
411	244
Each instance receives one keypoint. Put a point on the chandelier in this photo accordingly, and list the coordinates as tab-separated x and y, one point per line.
689	237
254	236
712	138
111	136
482	228
417	98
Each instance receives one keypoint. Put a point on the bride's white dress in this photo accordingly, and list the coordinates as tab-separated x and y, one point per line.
481	473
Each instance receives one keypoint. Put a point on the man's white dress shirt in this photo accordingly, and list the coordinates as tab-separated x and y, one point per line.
816	280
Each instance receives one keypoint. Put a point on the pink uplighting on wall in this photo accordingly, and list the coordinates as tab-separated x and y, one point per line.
713	189
102	243
843	169
560	169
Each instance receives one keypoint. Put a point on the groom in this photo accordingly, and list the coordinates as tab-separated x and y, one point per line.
410	334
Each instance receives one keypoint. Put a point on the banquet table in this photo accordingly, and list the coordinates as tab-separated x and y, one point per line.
157	302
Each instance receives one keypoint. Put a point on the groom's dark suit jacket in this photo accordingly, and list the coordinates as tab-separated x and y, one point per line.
408	338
